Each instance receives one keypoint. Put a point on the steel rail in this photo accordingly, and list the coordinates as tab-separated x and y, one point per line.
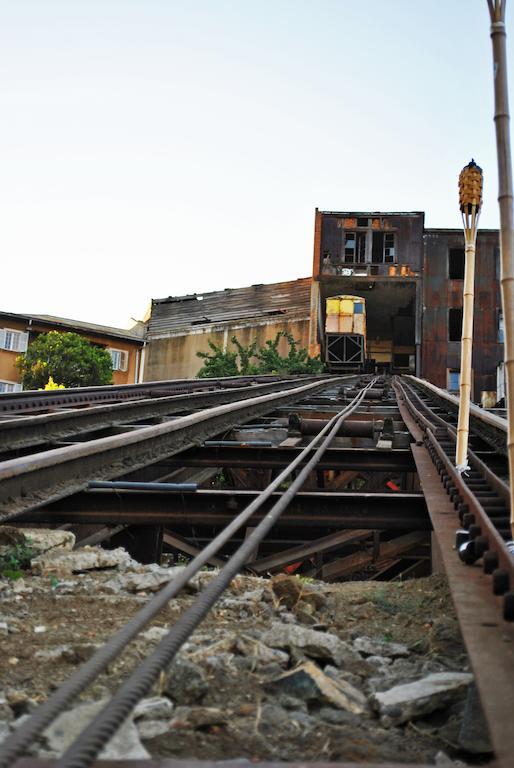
90	742
12	402
487	538
482	415
32	481
23	432
17	742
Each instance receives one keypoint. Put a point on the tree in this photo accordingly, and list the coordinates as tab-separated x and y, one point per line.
66	357
219	363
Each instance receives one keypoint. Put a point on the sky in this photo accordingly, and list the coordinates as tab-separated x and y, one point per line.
151	148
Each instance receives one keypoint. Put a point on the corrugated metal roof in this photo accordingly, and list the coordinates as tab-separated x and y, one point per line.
175	313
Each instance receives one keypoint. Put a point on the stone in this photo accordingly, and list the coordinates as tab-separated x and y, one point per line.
156	708
124	745
149	729
154	634
6	713
185	682
62	562
317	645
336	716
474	734
444	637
52	654
4	730
43	539
199	717
248	646
370	647
150	581
308	682
4	628
405	702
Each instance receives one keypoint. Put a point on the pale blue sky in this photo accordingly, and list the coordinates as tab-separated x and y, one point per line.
157	147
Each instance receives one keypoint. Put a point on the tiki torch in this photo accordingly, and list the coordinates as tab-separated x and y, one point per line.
470	200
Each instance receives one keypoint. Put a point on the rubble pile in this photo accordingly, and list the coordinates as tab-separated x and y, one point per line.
282	669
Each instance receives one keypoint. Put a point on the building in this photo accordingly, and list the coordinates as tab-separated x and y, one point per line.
180	326
18	331
411	279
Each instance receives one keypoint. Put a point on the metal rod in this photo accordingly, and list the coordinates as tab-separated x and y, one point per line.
133	486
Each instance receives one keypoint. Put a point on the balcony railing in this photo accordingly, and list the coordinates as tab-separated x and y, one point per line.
390	269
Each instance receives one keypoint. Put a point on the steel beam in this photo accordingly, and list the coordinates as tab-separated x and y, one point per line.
365	459
399	511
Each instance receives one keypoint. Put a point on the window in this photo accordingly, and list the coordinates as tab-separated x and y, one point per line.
501	328
389	252
383	248
453	380
454	324
9	386
456	263
119	359
354	247
14	341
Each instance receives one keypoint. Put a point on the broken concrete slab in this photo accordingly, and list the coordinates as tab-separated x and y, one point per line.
124	745
317	645
308	682
368	646
63	562
405	702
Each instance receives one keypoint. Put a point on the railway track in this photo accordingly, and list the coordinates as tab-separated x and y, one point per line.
305	444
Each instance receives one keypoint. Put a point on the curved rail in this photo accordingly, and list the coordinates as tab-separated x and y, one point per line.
90	742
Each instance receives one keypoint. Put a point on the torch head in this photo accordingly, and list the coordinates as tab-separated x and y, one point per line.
470	188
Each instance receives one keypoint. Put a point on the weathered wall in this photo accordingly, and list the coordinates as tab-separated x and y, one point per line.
441	294
174	357
8	371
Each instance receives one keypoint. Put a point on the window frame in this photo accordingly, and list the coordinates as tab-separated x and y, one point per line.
22	340
123	358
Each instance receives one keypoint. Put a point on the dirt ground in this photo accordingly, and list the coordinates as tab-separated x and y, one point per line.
43	616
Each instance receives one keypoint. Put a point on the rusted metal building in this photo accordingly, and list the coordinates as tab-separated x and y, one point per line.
411	279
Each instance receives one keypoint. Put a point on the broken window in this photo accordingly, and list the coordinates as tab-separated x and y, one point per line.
501	328
389	251
456	263
362	222
454	324
354	248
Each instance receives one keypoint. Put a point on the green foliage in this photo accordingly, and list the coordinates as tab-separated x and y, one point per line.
68	358
219	363
15	559
267	359
296	361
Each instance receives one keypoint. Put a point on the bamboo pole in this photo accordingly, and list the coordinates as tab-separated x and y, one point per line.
470	199
505	200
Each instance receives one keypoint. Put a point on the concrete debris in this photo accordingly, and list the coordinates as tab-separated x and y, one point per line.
156	708
63	562
148	581
149	729
310	683
405	702
249	646
369	647
185	681
124	745
317	645
154	634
